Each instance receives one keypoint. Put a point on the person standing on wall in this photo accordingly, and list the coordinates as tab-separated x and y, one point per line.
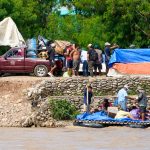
69	58
51	58
75	54
107	52
84	61
92	58
142	101
98	65
88	94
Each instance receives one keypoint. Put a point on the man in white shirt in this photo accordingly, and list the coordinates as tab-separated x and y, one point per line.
84	61
123	96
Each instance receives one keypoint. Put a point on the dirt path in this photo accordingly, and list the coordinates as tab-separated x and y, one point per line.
16	84
13	103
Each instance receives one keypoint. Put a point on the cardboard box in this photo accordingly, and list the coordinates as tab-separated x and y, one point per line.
112	111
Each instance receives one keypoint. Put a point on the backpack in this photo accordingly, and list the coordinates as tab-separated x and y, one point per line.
93	55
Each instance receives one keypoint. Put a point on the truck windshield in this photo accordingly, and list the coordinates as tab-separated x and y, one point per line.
14	53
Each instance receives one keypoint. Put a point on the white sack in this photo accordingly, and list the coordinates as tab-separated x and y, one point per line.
9	34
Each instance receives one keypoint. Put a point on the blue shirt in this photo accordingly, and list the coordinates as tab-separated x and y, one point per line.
122	95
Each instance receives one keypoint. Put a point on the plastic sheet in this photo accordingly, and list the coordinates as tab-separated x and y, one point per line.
102	116
130	56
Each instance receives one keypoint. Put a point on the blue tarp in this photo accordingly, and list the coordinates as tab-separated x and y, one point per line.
102	116
130	56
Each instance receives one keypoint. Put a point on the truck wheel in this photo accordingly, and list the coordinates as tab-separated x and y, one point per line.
1	74
40	71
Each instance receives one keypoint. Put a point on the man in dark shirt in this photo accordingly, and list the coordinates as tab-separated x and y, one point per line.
88	94
98	65
51	58
107	52
92	58
142	101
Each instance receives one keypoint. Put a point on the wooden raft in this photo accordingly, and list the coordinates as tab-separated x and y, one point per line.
91	123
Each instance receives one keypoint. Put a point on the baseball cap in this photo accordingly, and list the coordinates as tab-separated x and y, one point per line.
126	86
139	88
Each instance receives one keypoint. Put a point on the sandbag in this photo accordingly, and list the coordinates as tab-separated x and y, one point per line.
60	46
59	50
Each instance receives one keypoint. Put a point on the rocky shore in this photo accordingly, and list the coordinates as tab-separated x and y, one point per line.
25	100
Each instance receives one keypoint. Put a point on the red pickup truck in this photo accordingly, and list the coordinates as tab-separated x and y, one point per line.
15	60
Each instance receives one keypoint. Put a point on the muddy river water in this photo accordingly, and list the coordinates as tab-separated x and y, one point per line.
74	138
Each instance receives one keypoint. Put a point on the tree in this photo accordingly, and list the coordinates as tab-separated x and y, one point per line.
123	22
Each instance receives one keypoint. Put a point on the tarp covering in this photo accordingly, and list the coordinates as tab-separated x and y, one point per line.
130	56
102	116
94	116
129	62
133	68
9	34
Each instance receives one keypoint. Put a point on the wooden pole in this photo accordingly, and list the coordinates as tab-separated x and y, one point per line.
87	97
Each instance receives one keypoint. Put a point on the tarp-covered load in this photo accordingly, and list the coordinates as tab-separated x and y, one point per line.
61	45
9	33
130	62
101	119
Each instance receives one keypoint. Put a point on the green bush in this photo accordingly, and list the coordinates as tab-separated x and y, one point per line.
62	110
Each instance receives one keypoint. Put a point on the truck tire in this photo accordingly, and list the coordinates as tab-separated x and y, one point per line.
1	74
40	71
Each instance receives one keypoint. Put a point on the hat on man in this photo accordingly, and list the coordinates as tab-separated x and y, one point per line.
89	45
132	46
139	88
107	44
53	45
126	86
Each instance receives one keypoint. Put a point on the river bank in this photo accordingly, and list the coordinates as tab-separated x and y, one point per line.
25	99
15	108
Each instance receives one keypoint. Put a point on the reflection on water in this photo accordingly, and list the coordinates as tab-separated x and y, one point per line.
74	138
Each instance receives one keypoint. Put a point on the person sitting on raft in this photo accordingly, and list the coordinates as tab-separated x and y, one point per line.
135	112
123	114
104	106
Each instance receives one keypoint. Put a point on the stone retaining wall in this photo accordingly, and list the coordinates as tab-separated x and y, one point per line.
71	89
75	86
97	100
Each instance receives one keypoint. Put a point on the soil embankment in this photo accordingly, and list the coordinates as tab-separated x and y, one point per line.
13	104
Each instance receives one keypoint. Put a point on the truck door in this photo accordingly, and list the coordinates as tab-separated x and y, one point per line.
13	61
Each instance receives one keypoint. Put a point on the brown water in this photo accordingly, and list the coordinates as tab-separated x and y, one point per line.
74	138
